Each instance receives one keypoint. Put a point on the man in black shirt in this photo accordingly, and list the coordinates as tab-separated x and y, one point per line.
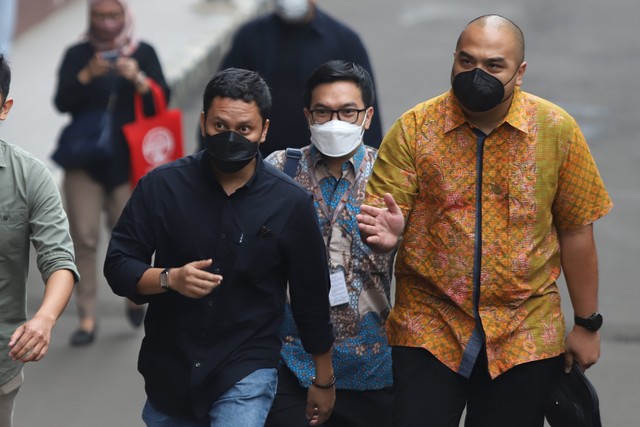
226	232
285	47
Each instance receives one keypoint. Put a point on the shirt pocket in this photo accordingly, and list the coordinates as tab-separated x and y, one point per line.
256	259
14	229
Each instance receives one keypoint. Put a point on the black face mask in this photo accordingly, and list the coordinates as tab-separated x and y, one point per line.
230	151
478	91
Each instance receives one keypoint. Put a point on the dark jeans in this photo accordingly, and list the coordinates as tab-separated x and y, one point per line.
353	408
428	393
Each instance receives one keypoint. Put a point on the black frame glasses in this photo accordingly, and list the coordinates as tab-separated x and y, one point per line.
324	115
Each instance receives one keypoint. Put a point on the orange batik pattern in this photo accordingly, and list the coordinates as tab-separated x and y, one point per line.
538	174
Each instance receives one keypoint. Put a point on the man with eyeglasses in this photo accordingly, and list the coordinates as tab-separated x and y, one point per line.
335	167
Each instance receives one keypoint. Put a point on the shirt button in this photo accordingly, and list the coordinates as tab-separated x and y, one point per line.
216	270
197	364
222	236
210	303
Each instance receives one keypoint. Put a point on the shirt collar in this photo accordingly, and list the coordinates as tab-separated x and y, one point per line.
516	116
257	171
317	21
355	160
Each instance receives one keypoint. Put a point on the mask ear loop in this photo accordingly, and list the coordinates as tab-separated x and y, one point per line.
505	85
362	126
514	75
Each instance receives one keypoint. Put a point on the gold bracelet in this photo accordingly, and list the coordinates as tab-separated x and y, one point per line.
324	386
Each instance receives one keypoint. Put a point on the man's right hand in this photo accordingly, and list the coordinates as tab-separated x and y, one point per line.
381	228
192	280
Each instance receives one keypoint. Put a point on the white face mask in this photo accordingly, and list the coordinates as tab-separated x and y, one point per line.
337	138
292	10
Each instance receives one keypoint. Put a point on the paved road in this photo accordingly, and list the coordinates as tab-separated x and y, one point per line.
581	54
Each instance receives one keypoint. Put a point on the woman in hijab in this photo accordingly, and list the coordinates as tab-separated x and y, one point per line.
106	68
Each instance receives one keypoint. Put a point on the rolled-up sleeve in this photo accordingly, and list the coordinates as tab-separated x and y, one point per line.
49	225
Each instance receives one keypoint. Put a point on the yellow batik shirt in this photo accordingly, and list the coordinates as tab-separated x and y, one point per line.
538	176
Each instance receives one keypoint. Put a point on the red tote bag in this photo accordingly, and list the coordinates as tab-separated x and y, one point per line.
153	140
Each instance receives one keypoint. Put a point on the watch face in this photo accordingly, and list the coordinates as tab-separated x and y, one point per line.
596	321
163	279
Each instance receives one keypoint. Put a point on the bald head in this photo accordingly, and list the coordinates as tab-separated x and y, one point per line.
501	24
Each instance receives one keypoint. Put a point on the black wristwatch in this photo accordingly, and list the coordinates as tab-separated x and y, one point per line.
164	279
592	323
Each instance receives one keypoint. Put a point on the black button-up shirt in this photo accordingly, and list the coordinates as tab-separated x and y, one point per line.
285	55
260	238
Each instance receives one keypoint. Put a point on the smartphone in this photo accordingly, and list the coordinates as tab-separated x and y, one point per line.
110	55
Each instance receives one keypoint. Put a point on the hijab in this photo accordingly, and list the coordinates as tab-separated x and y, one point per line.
125	42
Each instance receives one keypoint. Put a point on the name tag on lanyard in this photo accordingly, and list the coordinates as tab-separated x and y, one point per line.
338	294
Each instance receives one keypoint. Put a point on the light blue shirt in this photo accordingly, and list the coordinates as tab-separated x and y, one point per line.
30	212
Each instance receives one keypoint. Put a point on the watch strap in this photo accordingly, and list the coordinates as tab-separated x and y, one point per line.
592	323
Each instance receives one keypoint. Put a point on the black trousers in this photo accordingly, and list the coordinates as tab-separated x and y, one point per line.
353	408
428	394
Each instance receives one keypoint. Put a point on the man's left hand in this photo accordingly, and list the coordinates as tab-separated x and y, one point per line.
582	346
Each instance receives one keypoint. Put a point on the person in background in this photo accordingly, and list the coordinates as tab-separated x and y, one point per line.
490	193
30	212
285	46
226	233
339	100
110	64
7	25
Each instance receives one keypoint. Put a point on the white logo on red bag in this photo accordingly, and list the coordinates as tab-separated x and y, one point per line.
157	146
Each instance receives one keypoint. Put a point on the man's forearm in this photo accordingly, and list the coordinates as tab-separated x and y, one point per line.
324	367
58	290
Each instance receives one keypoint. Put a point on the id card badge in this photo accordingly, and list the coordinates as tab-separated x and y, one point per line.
338	294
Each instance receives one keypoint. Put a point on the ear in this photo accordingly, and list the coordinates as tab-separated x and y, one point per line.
4	110
367	117
521	70
307	115
202	128
265	129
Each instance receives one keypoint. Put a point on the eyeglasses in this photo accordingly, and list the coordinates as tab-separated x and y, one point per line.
323	115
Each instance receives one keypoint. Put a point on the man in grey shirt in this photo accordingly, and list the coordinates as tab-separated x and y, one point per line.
30	211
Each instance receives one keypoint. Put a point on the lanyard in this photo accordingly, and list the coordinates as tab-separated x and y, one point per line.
317	191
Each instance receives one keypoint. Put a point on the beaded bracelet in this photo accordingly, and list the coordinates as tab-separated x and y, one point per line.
324	386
